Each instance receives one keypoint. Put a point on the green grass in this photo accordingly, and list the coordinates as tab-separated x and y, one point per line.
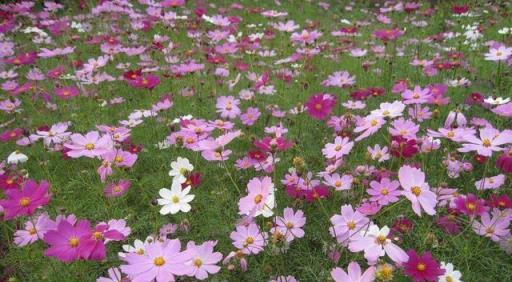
76	187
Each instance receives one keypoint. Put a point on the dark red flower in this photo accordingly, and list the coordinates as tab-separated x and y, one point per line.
500	202
504	162
317	193
470	205
460	9
403	148
257	155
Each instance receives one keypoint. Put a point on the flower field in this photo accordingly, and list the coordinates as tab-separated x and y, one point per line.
173	140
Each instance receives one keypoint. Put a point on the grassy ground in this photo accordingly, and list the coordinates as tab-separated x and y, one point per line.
76	187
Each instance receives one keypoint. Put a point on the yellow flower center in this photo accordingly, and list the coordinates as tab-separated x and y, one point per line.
198	262
25	201
117	189
248	241
470	206
89	146
140	252
318	106
384	191
486	143
175	199
73	242
381	239
258	199
337	148
489	230
289	225
119	159
159	261
421	266
338	183
416	190
97	235
32	231
449	279
374	122
351	225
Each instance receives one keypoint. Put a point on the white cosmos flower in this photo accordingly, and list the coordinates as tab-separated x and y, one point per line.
175	200
179	169
450	275
16	157
138	247
497	100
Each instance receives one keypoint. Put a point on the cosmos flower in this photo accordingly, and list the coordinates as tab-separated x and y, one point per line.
319	106
417	190
353	274
25	201
175	200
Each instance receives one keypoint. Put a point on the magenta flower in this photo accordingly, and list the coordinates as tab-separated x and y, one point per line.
388	34
117	189
26	201
91	145
290	224
417	190
340	147
249	239
385	191
422	268
504	162
203	259
67	241
470	205
148	81
319	106
269	144
67	92
353	274
160	261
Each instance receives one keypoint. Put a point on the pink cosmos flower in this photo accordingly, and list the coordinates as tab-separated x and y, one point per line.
495	228
67	92
250	117
305	37
375	243
91	145
404	128
378	154
319	106
339	79
502	53
339	182
160	261
203	259
422	268
25	202
347	224
120	158
260	199
249	239
340	147
416	96
489	141
33	232
227	106
354	274
493	182
56	134
417	190
290	224
369	125
117	189
9	106
385	191
68	240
